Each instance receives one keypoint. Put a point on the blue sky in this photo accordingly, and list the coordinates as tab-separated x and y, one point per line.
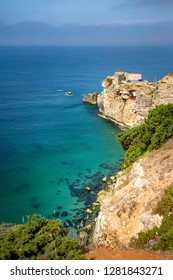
97	13
60	12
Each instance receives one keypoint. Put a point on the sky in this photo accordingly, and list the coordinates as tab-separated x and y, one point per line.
60	12
128	14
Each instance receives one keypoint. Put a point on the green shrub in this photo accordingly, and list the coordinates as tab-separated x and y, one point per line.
39	239
152	134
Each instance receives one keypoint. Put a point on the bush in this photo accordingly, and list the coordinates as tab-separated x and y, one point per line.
39	239
152	134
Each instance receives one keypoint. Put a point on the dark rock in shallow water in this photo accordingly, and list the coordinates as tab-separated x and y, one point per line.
61	180
102	165
59	207
59	191
68	223
55	214
64	162
64	214
80	199
74	210
79	212
78	190
107	166
88	170
36	206
87	177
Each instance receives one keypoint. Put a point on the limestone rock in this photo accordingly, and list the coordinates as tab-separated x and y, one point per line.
105	179
126	101
68	92
96	204
128	207
149	221
90	98
88	227
83	235
88	211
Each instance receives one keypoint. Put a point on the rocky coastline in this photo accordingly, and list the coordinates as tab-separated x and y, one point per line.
126	99
127	206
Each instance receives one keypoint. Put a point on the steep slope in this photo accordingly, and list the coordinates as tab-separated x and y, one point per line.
127	208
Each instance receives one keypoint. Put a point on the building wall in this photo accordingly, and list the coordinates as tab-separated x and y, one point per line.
132	76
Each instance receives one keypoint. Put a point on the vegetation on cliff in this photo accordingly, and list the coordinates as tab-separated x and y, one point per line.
159	238
152	134
39	238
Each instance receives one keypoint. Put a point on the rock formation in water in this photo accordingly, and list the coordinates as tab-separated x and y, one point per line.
127	208
126	99
90	98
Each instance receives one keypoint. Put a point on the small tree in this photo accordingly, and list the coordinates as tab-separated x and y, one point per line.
152	134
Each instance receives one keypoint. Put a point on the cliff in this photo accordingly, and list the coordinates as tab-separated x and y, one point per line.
127	208
126	99
90	98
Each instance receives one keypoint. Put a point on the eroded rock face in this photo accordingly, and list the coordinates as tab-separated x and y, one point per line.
90	98
128	207
127	103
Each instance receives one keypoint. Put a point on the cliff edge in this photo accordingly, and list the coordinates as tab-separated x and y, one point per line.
127	208
126	99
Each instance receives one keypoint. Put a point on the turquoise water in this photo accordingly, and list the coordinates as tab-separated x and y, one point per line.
53	145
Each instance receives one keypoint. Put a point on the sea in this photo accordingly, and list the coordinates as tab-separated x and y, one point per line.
52	145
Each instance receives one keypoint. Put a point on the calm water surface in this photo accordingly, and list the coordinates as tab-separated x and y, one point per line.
52	145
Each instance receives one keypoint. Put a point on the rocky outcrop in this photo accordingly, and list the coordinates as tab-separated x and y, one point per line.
90	98
164	90
126	101
127	207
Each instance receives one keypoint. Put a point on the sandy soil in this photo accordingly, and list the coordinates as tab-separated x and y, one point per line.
103	253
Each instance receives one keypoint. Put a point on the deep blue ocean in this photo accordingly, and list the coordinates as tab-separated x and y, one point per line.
52	145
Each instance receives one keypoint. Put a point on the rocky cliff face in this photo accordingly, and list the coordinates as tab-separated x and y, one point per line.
127	102
127	207
90	98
